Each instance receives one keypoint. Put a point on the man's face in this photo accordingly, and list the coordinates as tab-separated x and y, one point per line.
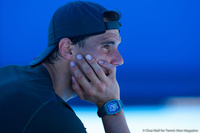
103	47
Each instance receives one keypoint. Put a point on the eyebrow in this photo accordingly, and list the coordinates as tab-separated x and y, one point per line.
108	42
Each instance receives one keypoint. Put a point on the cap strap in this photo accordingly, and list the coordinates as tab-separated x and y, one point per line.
112	25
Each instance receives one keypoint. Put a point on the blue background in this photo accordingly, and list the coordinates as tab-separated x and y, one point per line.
160	44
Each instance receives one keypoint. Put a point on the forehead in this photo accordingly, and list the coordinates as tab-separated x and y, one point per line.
109	35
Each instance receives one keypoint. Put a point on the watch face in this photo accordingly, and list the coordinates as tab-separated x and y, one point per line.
113	107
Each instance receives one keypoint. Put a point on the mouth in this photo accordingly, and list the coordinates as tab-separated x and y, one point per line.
105	71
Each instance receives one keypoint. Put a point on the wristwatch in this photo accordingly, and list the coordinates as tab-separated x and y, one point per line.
112	107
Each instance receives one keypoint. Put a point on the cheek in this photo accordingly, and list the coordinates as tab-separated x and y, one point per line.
97	53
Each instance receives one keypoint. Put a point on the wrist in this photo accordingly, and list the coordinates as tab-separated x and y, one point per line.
101	104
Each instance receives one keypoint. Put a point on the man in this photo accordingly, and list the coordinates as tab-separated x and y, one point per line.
80	59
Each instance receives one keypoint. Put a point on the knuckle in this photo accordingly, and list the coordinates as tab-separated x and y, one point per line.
74	69
91	93
100	87
89	72
81	63
79	76
92	61
99	71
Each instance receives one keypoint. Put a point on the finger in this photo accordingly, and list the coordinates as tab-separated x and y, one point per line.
80	78
98	70
111	68
88	70
77	89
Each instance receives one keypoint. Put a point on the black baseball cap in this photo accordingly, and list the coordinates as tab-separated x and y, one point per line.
73	20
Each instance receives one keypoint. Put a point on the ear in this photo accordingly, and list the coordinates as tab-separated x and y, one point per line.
65	46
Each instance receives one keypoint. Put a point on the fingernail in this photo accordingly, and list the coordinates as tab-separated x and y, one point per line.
72	63
79	56
101	62
88	57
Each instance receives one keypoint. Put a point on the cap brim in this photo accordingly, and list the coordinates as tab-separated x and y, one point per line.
42	55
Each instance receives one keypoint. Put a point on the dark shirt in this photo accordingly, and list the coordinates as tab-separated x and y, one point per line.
28	103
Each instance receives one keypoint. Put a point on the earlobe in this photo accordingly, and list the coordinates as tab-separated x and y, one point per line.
65	46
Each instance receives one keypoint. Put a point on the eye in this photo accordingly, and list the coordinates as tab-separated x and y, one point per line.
106	46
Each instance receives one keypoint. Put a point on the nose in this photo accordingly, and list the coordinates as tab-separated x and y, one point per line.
116	58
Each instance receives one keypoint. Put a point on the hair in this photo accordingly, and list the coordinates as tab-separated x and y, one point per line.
55	54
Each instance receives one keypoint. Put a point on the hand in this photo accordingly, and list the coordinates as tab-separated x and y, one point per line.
91	83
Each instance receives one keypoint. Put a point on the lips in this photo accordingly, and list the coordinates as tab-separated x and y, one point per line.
106	71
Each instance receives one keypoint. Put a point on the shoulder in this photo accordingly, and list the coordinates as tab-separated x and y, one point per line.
22	78
11	71
13	74
55	117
